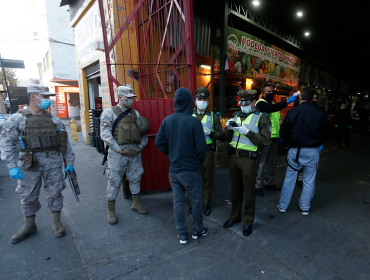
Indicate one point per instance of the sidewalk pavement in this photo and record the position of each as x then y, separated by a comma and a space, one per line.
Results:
331, 243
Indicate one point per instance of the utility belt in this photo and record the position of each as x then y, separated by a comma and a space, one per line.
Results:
211, 147
243, 153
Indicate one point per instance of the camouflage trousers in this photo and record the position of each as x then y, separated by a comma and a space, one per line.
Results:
118, 165
29, 189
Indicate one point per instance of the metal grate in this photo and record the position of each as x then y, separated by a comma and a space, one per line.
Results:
149, 44
202, 36
263, 23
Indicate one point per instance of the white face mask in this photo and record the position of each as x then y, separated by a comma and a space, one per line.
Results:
128, 102
247, 109
202, 105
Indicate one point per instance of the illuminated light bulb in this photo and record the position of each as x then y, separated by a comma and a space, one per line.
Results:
299, 14
307, 34
256, 3
205, 66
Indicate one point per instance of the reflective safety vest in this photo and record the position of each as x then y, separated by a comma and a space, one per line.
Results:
275, 122
207, 122
242, 142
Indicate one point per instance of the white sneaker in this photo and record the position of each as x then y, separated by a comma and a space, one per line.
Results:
183, 239
305, 213
281, 210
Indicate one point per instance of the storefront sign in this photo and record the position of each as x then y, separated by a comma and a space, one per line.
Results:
61, 104
252, 57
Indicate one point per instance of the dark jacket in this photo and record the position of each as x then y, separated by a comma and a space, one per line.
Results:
304, 126
268, 108
181, 136
344, 117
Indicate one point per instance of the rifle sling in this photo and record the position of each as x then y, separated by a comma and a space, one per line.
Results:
119, 118
116, 122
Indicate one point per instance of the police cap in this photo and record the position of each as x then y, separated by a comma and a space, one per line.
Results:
202, 93
247, 94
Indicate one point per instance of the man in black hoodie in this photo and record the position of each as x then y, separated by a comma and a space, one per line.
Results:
181, 137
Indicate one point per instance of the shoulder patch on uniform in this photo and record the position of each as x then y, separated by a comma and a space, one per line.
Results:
107, 118
105, 124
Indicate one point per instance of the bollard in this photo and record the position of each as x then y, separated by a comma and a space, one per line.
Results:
74, 130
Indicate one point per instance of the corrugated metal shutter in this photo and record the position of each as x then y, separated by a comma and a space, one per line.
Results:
202, 36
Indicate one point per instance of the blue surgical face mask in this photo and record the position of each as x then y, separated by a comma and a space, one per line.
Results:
247, 109
45, 103
202, 105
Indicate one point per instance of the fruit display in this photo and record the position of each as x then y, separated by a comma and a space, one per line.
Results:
257, 62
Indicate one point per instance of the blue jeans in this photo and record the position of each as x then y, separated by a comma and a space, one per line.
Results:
308, 162
191, 182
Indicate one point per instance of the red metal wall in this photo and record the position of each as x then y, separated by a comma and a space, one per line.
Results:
163, 60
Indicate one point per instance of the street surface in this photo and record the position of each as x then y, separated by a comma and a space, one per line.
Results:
333, 242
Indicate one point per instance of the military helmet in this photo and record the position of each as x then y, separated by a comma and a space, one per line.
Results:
246, 96
143, 124
202, 93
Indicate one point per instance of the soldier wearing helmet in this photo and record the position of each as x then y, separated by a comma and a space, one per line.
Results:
249, 132
43, 146
212, 131
124, 130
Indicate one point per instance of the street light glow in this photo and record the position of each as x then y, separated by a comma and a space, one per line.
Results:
299, 14
307, 34
256, 3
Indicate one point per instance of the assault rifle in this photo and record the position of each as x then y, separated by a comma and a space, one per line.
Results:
74, 185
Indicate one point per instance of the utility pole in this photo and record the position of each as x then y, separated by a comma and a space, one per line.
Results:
6, 83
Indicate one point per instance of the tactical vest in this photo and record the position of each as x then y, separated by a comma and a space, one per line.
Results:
275, 122
126, 132
41, 133
207, 122
251, 122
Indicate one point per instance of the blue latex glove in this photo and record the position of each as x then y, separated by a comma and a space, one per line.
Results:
350, 127
292, 99
321, 148
69, 168
336, 125
16, 173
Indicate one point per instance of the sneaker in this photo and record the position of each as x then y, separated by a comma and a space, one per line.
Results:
183, 239
305, 213
199, 234
281, 210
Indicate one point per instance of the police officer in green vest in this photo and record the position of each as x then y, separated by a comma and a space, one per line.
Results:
249, 132
212, 131
266, 105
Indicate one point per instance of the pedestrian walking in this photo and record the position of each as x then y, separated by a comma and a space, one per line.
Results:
125, 132
343, 126
303, 129
181, 137
249, 132
43, 143
268, 165
212, 131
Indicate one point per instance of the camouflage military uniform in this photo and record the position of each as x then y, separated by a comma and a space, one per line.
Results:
118, 165
48, 169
